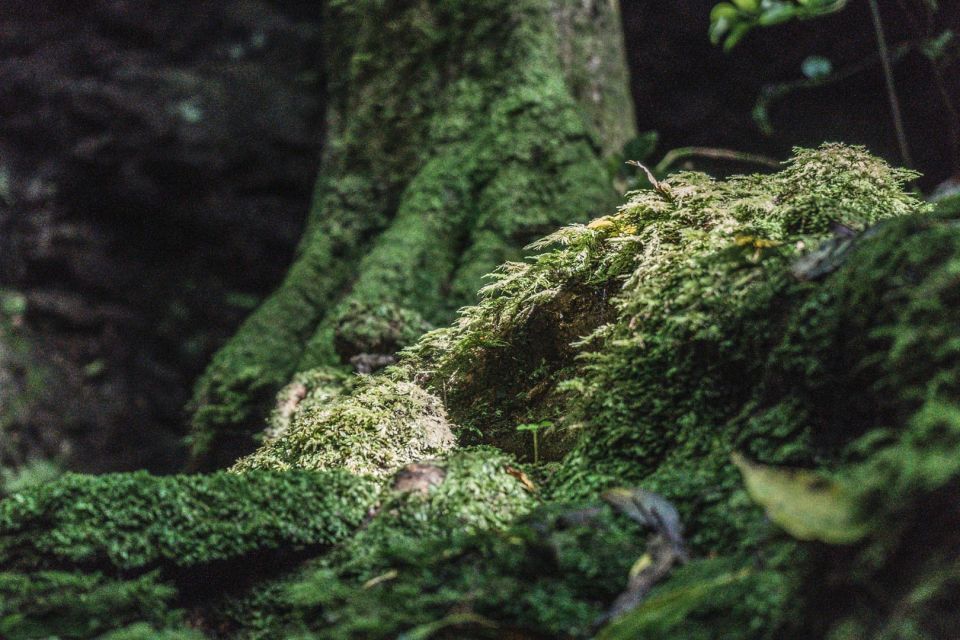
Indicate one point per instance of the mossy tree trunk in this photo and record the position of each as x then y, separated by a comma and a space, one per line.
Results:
457, 132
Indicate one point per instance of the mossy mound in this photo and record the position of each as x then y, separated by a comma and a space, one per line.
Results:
774, 355
383, 424
470, 490
87, 554
642, 288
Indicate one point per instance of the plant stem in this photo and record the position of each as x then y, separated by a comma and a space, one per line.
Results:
674, 155
536, 449
891, 87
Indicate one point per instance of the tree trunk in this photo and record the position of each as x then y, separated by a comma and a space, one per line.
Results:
457, 132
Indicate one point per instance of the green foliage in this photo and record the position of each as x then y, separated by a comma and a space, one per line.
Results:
730, 21
33, 472
141, 631
72, 605
535, 428
135, 520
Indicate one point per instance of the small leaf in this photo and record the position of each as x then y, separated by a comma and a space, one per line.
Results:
777, 14
719, 28
806, 504
936, 48
723, 10
736, 34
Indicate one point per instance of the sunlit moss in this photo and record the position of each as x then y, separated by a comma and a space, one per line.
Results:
135, 520
381, 425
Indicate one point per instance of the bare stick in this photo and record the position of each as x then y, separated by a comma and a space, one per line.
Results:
714, 154
891, 87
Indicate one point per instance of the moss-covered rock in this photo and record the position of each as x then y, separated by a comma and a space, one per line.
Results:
453, 139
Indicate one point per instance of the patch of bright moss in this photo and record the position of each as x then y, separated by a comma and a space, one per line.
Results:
135, 520
383, 424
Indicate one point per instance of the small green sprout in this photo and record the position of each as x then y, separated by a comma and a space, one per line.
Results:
535, 428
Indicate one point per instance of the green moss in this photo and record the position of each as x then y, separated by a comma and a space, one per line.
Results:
699, 263
383, 424
432, 503
876, 364
376, 329
70, 605
803, 319
134, 521
719, 598
453, 140
307, 389
493, 181
141, 631
478, 490
551, 574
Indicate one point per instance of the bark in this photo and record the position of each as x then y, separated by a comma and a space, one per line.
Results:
458, 132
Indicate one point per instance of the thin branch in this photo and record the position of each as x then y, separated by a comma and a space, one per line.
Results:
712, 153
891, 87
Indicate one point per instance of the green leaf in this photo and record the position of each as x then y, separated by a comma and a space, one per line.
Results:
777, 14
736, 34
936, 48
806, 504
747, 5
723, 10
718, 29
